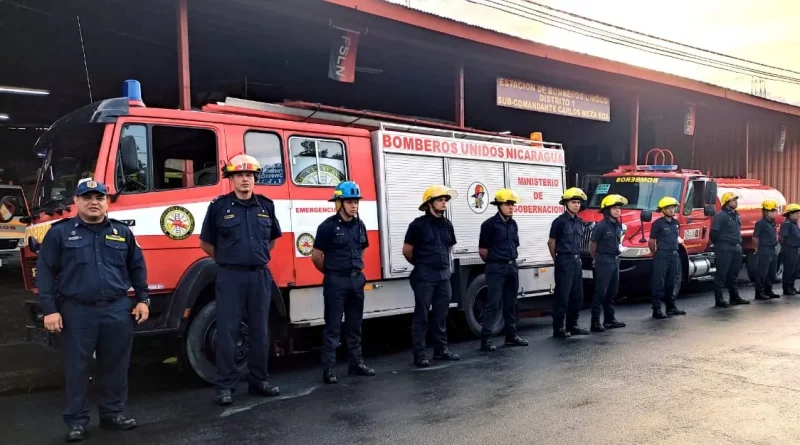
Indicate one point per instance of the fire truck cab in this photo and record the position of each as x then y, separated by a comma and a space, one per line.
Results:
162, 168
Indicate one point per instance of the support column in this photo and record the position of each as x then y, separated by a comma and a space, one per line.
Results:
634, 152
747, 150
459, 93
184, 76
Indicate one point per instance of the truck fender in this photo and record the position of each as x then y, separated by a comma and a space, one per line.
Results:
200, 275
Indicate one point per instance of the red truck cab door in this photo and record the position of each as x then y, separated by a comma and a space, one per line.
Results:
695, 225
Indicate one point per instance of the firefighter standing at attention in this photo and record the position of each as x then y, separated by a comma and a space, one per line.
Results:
566, 235
726, 234
239, 231
497, 245
604, 248
86, 266
765, 238
428, 243
664, 242
790, 247
338, 254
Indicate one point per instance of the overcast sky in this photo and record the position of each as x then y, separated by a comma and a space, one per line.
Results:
767, 32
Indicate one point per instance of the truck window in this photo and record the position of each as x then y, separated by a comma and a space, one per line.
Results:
699, 194
169, 158
317, 162
266, 147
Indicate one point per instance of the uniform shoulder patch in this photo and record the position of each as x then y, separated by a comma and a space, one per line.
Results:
218, 198
61, 221
264, 198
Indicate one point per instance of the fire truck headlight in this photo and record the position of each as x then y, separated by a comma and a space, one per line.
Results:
635, 252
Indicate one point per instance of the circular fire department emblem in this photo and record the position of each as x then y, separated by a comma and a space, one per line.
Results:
305, 244
177, 222
477, 196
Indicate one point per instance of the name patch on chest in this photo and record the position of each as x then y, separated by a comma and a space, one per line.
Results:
229, 216
115, 238
263, 215
74, 238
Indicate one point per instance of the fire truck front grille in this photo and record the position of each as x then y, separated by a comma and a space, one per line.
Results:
587, 236
8, 244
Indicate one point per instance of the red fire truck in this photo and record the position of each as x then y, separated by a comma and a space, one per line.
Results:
699, 195
162, 167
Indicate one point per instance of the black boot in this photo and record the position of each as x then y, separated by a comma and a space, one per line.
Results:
658, 314
446, 355
736, 300
596, 326
117, 423
577, 330
361, 369
516, 340
719, 301
329, 376
561, 333
421, 361
769, 293
263, 389
76, 433
487, 345
761, 295
672, 311
224, 397
789, 291
613, 324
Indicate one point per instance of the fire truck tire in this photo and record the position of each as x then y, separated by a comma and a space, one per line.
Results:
474, 299
751, 264
200, 344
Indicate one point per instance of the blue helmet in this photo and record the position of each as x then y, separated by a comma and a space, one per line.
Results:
346, 190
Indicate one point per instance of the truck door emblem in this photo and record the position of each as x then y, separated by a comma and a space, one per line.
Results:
476, 196
177, 223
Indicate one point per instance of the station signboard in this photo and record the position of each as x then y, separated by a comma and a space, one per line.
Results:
530, 96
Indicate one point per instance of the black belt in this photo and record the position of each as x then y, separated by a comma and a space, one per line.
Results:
608, 255
351, 273
573, 255
240, 268
503, 262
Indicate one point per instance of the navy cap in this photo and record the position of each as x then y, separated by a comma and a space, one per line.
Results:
91, 186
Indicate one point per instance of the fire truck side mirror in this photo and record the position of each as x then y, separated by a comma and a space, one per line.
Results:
128, 155
711, 193
33, 244
647, 216
709, 211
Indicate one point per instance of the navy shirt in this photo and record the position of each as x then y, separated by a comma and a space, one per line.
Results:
89, 263
343, 243
500, 236
567, 230
607, 234
767, 235
432, 239
665, 231
241, 231
790, 233
726, 229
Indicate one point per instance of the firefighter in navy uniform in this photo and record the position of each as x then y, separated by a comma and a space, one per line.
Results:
338, 254
790, 247
765, 237
427, 245
726, 234
664, 241
566, 235
604, 248
497, 245
239, 231
86, 266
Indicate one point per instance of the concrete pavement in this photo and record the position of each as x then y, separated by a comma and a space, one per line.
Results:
711, 377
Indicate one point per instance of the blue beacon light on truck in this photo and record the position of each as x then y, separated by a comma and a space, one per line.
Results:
132, 89
657, 168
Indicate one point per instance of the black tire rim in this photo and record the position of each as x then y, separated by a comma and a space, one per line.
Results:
242, 344
479, 304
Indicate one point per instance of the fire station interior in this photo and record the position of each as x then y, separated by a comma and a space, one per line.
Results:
276, 51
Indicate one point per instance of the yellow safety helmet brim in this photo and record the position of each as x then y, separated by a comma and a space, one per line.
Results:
728, 197
506, 196
791, 208
769, 205
571, 194
435, 192
667, 201
612, 201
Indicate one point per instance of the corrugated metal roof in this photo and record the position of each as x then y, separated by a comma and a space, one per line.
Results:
448, 25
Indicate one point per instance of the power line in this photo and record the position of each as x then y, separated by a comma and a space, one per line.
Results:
611, 25
613, 38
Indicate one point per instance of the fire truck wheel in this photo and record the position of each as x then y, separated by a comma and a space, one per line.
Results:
751, 264
473, 307
200, 344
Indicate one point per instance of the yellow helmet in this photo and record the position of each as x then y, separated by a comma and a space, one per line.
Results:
791, 208
667, 201
506, 195
613, 200
769, 205
434, 192
727, 197
572, 194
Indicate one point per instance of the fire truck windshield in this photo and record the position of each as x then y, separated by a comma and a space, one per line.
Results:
642, 192
70, 153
